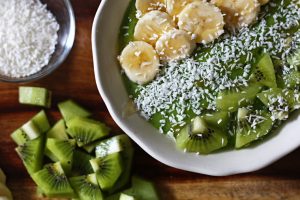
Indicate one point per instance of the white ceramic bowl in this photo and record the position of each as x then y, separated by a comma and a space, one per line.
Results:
107, 73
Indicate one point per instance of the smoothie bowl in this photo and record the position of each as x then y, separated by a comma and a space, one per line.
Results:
208, 87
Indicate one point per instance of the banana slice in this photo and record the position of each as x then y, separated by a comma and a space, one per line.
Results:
2, 177
175, 45
203, 20
238, 13
5, 192
174, 7
263, 2
152, 25
140, 62
145, 6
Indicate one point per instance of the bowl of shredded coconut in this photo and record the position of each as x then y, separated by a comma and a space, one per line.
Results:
36, 36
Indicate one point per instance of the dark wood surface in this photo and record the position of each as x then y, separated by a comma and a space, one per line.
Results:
75, 79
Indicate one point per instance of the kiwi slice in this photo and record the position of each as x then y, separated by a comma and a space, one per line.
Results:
217, 119
142, 189
19, 137
127, 157
108, 146
63, 150
41, 121
264, 72
202, 140
126, 197
58, 131
36, 96
231, 100
31, 153
86, 187
251, 126
81, 163
70, 109
53, 181
86, 130
108, 169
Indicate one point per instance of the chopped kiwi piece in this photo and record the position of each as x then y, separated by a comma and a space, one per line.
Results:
69, 109
217, 119
31, 153
19, 137
264, 72
86, 130
92, 146
198, 126
108, 169
81, 163
205, 142
41, 121
31, 129
127, 157
53, 181
63, 150
142, 189
252, 125
108, 146
126, 197
232, 100
58, 131
86, 187
36, 96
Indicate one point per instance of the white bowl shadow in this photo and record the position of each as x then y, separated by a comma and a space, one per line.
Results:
111, 87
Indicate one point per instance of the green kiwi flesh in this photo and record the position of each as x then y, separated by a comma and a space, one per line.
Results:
70, 109
81, 163
127, 157
85, 130
19, 137
58, 131
126, 197
35, 96
142, 189
32, 153
252, 126
63, 150
264, 72
53, 181
292, 80
108, 169
206, 142
231, 100
217, 119
86, 187
108, 146
41, 121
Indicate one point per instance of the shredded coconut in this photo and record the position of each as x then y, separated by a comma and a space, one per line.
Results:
28, 36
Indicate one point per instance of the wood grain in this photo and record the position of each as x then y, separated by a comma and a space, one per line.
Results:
75, 79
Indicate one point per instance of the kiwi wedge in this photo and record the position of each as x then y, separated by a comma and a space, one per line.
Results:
85, 130
200, 138
41, 121
32, 153
81, 163
108, 146
53, 182
217, 119
108, 169
251, 126
19, 137
70, 109
86, 187
232, 100
264, 72
62, 150
36, 96
142, 190
127, 157
58, 131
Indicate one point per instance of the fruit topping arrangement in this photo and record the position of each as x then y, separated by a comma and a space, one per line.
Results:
169, 30
77, 157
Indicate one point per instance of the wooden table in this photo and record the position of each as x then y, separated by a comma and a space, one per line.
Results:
75, 79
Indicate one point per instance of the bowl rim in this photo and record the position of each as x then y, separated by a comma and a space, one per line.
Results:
238, 170
69, 44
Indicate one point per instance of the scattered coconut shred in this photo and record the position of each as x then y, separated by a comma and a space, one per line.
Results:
28, 36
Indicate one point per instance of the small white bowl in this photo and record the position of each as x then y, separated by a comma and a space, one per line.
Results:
111, 87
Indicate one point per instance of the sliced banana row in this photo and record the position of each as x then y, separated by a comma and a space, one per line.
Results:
5, 193
172, 35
